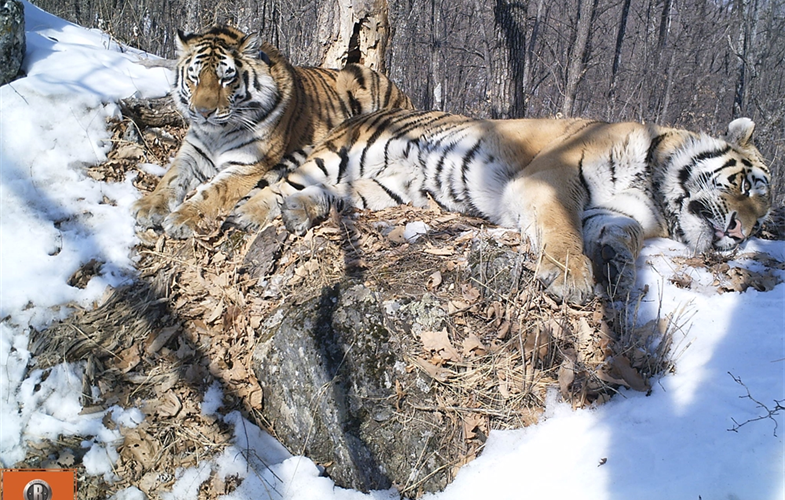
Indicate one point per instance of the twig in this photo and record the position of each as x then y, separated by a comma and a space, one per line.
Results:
770, 412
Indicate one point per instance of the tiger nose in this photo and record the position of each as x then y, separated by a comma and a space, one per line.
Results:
205, 112
735, 229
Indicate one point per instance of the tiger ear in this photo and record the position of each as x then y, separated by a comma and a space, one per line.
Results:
181, 40
740, 132
249, 44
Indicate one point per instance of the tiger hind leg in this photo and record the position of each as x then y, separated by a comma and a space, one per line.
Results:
307, 208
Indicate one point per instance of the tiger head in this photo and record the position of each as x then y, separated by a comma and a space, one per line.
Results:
221, 79
717, 189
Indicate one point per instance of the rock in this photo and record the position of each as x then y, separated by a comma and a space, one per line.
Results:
334, 373
12, 39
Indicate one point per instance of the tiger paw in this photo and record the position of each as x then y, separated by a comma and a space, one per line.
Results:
301, 211
574, 287
179, 224
614, 264
150, 211
254, 211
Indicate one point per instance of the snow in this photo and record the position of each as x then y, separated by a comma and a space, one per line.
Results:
677, 442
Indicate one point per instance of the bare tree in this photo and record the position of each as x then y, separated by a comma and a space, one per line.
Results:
578, 53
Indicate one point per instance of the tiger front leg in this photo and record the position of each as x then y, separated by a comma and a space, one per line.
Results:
151, 210
210, 201
255, 210
551, 219
613, 243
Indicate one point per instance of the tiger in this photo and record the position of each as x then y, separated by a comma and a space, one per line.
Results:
247, 107
585, 193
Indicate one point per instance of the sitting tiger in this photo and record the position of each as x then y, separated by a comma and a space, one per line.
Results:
248, 108
586, 193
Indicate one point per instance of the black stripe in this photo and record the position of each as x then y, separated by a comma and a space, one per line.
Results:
467, 160
362, 198
388, 93
357, 74
320, 163
390, 193
203, 154
710, 154
685, 173
298, 187
384, 122
246, 143
239, 163
343, 153
582, 177
420, 119
440, 163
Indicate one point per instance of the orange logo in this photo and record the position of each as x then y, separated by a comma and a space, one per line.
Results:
38, 484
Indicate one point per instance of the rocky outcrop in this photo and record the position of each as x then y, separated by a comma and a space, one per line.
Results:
12, 39
334, 372
392, 372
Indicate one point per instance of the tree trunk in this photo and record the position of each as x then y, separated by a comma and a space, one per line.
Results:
510, 18
578, 54
625, 12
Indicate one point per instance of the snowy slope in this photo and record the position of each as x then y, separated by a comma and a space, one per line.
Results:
674, 443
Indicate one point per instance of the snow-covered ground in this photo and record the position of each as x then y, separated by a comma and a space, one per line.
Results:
674, 443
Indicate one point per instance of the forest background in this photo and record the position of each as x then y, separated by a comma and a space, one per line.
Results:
696, 64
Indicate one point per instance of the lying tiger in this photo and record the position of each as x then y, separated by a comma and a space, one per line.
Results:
586, 193
248, 108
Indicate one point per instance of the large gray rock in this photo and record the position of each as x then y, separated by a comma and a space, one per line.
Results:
387, 364
333, 373
12, 39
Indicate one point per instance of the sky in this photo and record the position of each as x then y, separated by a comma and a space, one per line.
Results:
676, 442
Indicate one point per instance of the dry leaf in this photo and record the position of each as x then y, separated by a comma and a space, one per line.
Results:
435, 372
739, 280
537, 341
439, 343
567, 372
472, 345
139, 445
681, 280
504, 385
555, 329
238, 373
216, 312
457, 305
471, 422
443, 251
155, 341
128, 359
255, 397
168, 405
470, 293
128, 151
396, 235
584, 332
631, 377
434, 280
